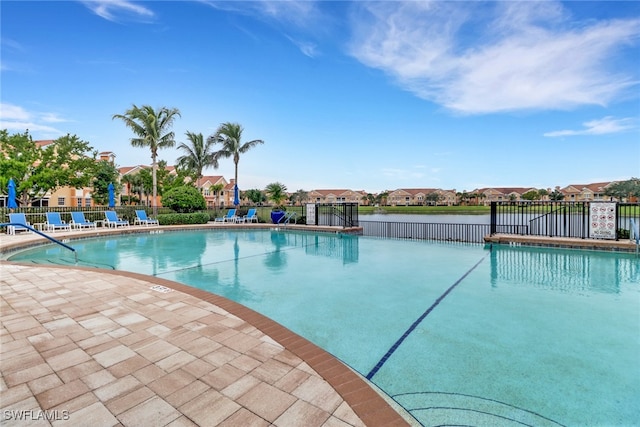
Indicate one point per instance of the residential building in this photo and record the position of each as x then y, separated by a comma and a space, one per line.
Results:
501, 194
421, 197
336, 196
586, 192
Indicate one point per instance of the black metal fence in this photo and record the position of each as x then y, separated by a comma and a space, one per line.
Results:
468, 233
337, 214
36, 214
561, 219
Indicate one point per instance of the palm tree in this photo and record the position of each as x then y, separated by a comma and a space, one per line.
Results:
134, 185
276, 192
230, 136
151, 128
198, 155
216, 188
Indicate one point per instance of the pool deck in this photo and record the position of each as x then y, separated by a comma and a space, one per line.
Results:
623, 245
82, 346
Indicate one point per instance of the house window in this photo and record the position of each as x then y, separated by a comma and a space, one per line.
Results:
206, 192
60, 201
79, 202
87, 202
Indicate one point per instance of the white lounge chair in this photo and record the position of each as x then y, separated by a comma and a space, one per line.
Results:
55, 222
78, 221
112, 220
18, 220
143, 219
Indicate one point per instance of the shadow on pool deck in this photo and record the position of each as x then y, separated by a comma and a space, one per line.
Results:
94, 347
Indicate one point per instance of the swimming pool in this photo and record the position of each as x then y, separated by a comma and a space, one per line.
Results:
453, 332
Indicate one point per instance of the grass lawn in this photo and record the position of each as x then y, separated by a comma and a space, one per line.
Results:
426, 210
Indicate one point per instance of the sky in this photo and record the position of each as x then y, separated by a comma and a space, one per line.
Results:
369, 96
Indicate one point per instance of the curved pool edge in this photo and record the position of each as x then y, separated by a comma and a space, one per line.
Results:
363, 397
13, 243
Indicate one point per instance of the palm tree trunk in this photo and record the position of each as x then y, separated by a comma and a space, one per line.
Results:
155, 186
235, 160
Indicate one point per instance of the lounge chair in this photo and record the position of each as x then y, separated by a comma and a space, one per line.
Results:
78, 221
112, 220
250, 216
54, 222
229, 217
143, 219
17, 219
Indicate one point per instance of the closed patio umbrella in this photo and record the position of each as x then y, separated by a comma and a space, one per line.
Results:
236, 195
11, 199
112, 195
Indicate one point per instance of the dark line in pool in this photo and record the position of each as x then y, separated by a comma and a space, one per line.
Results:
395, 346
474, 397
471, 410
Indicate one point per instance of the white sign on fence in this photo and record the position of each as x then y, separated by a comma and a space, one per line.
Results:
311, 214
602, 216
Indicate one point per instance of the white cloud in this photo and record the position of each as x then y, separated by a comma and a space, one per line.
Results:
307, 48
118, 10
602, 126
16, 118
476, 58
13, 112
291, 17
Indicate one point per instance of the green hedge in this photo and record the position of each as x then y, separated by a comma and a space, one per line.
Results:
183, 218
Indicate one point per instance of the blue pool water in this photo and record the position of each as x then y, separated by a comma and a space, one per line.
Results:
456, 334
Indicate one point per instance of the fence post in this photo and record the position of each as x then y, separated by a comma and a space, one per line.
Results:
494, 217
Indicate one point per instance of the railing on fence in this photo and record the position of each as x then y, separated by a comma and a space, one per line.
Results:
558, 218
469, 233
337, 214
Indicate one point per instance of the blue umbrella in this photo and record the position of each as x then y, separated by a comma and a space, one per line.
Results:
112, 195
11, 200
236, 195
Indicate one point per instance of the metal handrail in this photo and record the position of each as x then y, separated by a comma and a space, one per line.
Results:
14, 224
287, 218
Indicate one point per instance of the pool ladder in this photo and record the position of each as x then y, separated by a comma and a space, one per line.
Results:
287, 218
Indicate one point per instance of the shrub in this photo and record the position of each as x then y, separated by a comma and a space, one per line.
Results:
183, 218
184, 199
623, 233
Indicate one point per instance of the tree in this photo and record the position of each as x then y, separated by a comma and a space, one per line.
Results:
151, 128
369, 198
381, 199
198, 155
531, 195
104, 174
433, 198
556, 195
134, 185
216, 188
276, 192
68, 161
542, 192
624, 189
184, 199
230, 136
255, 196
146, 182
299, 197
